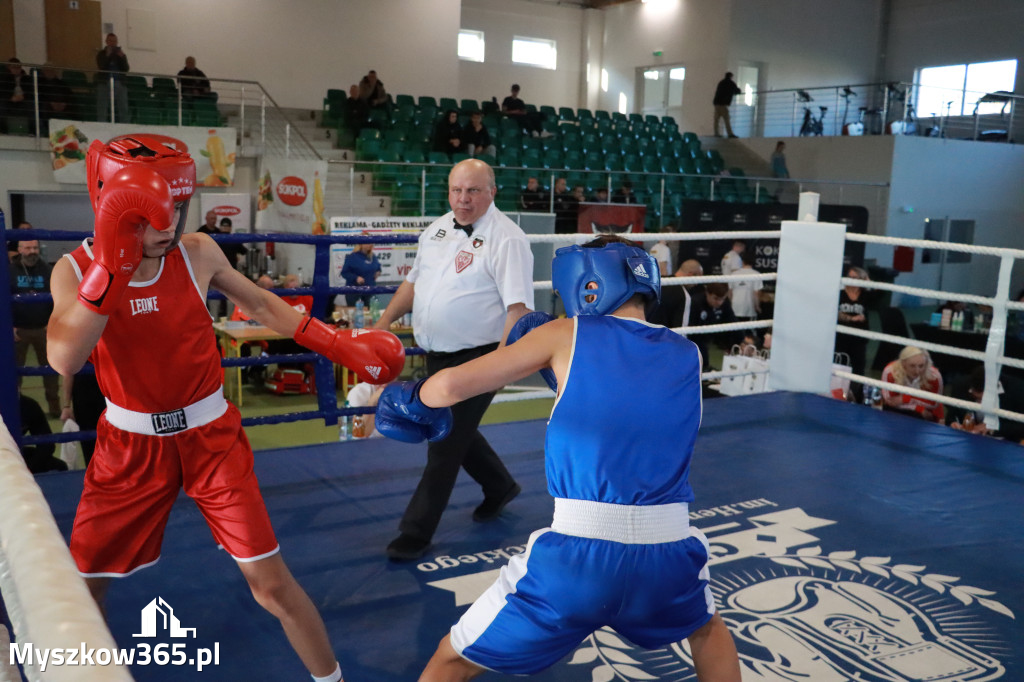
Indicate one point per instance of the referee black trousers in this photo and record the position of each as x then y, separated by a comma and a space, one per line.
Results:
464, 447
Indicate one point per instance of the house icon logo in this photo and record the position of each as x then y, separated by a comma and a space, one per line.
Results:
158, 615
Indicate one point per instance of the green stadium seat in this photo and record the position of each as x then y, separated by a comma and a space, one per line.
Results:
427, 101
602, 115
447, 103
509, 156
405, 100
566, 114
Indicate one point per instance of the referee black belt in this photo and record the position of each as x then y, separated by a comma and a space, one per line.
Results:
475, 350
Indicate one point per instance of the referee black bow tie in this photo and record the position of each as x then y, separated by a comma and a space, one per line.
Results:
468, 229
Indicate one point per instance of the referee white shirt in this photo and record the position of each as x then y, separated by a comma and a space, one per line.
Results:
465, 284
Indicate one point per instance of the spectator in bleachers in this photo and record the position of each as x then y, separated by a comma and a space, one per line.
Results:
193, 82
600, 195
624, 194
566, 208
370, 94
746, 296
16, 93
448, 134
476, 136
724, 92
533, 197
578, 194
515, 108
913, 368
54, 95
112, 63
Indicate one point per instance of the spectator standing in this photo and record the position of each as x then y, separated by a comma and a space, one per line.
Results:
54, 95
360, 269
733, 258
724, 92
746, 296
712, 306
476, 136
779, 169
673, 309
533, 198
12, 246
112, 63
16, 94
471, 281
235, 253
210, 224
193, 82
448, 134
914, 369
30, 274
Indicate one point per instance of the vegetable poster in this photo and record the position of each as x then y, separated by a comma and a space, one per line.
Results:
213, 149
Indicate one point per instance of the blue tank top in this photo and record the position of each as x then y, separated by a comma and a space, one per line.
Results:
623, 430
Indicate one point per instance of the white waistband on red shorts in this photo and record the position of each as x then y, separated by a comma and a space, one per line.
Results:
628, 524
168, 423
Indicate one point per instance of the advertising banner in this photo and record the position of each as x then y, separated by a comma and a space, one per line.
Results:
601, 218
236, 207
395, 259
290, 196
213, 149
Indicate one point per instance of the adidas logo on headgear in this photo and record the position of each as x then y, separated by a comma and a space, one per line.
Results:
373, 371
641, 271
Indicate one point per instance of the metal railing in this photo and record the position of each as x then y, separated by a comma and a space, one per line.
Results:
881, 109
156, 99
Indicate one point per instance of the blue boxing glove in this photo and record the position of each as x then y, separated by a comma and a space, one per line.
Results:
401, 415
525, 325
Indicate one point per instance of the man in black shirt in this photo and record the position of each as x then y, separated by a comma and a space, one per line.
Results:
533, 198
192, 81
30, 274
712, 306
515, 108
724, 93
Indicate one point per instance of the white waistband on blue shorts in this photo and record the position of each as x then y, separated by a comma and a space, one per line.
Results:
628, 524
168, 423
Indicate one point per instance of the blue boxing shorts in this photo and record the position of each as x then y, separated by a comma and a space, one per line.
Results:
646, 578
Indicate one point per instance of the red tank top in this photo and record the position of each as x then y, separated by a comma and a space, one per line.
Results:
158, 351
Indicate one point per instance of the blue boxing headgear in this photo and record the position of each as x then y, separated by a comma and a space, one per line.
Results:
620, 270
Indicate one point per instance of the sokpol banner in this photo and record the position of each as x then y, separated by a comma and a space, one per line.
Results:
290, 196
213, 149
395, 259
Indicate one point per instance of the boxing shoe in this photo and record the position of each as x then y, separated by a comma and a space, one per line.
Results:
407, 548
491, 507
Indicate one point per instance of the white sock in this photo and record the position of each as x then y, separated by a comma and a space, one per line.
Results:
333, 677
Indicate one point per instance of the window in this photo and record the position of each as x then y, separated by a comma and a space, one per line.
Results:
535, 52
954, 90
471, 45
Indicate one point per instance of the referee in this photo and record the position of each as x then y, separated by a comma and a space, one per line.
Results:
471, 280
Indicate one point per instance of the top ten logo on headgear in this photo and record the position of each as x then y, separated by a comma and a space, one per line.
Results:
291, 190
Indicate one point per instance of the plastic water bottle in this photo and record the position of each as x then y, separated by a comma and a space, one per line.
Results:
374, 310
345, 427
301, 281
360, 315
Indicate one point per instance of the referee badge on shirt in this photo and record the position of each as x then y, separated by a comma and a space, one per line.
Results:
477, 242
462, 260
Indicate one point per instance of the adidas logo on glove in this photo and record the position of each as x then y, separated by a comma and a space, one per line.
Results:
373, 371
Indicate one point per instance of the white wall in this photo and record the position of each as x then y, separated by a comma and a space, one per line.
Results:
500, 21
960, 180
939, 32
694, 33
806, 44
296, 49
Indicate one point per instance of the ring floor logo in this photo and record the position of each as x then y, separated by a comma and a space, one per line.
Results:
157, 621
798, 613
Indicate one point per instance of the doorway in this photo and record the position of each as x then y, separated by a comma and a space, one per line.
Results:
744, 111
661, 90
74, 33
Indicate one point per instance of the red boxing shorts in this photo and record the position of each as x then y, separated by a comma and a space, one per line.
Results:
142, 461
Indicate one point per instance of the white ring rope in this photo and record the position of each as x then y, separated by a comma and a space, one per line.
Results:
927, 244
580, 237
927, 395
922, 293
980, 356
49, 605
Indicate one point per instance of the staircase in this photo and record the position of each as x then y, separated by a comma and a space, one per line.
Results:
736, 154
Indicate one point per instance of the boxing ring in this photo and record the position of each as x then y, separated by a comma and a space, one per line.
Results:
848, 543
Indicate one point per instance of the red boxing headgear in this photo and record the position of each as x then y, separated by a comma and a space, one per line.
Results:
167, 156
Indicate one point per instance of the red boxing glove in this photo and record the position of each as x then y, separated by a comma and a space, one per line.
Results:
374, 355
133, 197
